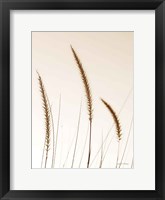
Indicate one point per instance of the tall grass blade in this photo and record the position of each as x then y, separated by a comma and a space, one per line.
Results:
126, 143
117, 124
78, 126
69, 149
115, 118
46, 110
108, 147
88, 97
57, 132
101, 159
84, 148
61, 148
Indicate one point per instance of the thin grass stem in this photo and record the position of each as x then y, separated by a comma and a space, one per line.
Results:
57, 132
84, 147
126, 143
43, 151
69, 149
118, 152
78, 126
101, 159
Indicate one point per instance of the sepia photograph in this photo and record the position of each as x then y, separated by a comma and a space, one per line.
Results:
82, 100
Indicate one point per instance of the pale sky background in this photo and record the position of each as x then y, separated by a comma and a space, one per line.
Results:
107, 58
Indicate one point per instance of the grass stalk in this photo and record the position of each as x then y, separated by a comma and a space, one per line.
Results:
61, 148
126, 143
108, 147
118, 151
117, 124
57, 132
46, 110
83, 148
78, 126
43, 152
88, 97
52, 121
69, 149
101, 159
90, 135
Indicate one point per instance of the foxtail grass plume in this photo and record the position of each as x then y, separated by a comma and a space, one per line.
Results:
88, 97
115, 118
46, 110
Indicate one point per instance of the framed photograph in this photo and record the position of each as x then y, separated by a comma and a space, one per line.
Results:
82, 99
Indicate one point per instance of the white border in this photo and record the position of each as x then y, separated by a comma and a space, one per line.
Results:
142, 177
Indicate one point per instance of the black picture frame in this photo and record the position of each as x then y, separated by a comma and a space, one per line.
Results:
5, 7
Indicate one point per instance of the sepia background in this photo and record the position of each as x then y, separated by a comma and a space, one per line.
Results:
107, 58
